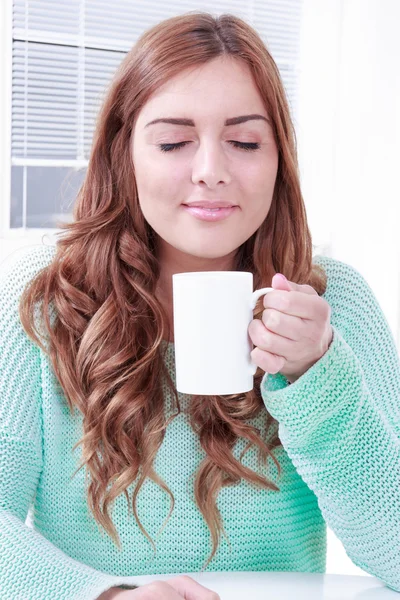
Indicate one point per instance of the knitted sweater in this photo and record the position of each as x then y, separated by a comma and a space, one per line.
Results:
339, 424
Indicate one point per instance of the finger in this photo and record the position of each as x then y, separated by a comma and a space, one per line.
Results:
297, 304
156, 590
270, 341
190, 589
295, 329
284, 284
292, 328
270, 363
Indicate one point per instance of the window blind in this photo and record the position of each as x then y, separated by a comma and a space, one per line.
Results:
65, 53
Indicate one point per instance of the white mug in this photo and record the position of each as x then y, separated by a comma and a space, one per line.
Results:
212, 311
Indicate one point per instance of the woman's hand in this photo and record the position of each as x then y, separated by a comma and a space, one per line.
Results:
294, 332
175, 588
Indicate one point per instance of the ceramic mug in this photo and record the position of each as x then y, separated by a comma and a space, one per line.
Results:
212, 311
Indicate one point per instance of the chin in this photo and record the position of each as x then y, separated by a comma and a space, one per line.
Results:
210, 254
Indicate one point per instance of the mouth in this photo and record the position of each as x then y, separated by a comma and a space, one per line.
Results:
211, 204
207, 208
211, 214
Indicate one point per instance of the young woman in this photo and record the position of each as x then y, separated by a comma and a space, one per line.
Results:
123, 476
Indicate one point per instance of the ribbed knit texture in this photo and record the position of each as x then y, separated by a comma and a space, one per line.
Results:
339, 424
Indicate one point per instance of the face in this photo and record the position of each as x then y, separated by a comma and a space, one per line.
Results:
205, 154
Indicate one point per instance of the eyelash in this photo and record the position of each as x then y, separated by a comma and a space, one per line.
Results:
248, 146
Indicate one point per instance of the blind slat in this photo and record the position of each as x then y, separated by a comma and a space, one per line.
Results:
65, 54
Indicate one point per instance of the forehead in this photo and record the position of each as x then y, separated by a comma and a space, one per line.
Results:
222, 86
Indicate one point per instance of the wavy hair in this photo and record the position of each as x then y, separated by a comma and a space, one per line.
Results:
105, 271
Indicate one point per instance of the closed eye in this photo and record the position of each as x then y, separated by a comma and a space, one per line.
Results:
171, 147
242, 145
245, 145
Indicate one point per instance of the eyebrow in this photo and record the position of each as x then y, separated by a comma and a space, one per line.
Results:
190, 122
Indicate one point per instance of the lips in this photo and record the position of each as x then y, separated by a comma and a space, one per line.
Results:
217, 204
204, 213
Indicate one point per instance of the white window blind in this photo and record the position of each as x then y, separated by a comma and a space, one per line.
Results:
64, 55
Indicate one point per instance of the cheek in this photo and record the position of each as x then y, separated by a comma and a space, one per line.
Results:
258, 180
257, 184
156, 182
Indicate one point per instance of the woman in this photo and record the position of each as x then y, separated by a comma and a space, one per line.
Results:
127, 477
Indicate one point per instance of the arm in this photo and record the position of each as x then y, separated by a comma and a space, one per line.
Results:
31, 567
340, 425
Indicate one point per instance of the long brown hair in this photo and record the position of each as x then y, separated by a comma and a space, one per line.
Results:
105, 272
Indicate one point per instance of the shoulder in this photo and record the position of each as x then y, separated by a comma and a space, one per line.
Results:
342, 278
20, 357
15, 273
349, 295
21, 266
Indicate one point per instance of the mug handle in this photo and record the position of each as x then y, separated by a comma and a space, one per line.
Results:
254, 297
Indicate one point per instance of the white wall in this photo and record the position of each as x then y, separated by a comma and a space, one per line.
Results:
318, 112
349, 138
349, 150
368, 151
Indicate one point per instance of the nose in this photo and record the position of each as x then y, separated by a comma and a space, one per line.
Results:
210, 165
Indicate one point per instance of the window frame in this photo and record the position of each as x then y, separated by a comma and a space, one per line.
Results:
5, 113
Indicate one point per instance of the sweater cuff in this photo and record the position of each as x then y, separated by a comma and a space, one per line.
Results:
332, 382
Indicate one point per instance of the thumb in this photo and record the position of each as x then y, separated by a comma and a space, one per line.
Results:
190, 589
279, 282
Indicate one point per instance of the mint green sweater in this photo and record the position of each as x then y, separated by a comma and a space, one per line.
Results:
339, 425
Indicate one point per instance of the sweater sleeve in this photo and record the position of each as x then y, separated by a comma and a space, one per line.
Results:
340, 425
31, 568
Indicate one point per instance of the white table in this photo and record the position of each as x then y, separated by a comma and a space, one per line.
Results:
287, 586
